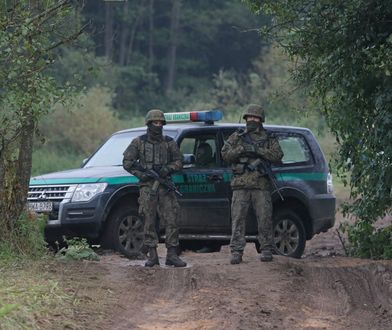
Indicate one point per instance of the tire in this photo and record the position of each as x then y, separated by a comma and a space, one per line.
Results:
289, 234
125, 232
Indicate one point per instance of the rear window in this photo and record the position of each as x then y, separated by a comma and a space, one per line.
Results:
295, 150
294, 146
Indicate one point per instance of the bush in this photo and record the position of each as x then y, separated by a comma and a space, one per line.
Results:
26, 240
368, 242
81, 127
52, 160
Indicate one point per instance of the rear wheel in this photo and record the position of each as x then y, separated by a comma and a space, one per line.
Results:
125, 232
289, 234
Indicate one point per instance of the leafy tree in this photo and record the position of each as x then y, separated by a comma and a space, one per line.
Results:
29, 32
164, 51
343, 54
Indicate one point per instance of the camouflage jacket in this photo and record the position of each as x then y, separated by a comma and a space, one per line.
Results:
150, 154
265, 145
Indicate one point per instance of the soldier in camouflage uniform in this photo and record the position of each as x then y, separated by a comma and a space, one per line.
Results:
160, 153
251, 187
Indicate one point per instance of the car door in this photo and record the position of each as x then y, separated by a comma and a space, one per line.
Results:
205, 203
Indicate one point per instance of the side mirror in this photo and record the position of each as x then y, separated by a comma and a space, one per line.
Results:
84, 161
188, 160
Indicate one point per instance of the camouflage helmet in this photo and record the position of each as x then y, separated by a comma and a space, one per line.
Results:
155, 114
254, 110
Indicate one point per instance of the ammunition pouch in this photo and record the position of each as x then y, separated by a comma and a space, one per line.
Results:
238, 168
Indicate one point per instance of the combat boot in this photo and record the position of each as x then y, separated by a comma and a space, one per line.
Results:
172, 258
266, 255
152, 257
236, 258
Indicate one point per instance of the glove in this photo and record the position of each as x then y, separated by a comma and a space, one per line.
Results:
164, 171
261, 152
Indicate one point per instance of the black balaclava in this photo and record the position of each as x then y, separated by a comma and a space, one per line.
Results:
252, 126
154, 132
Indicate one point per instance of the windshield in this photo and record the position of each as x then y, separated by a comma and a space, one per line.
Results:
111, 152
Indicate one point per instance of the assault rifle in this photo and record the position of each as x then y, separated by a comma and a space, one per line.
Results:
262, 166
169, 185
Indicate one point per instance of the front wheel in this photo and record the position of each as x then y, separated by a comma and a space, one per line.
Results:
289, 234
125, 232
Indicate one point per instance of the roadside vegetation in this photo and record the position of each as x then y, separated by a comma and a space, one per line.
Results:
343, 59
67, 84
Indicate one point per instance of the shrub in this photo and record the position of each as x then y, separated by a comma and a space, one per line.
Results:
26, 240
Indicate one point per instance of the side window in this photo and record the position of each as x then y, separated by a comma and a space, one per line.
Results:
203, 147
295, 149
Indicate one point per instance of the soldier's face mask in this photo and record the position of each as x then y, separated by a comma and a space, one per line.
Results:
154, 131
252, 125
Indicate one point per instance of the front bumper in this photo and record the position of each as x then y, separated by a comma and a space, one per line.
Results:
80, 219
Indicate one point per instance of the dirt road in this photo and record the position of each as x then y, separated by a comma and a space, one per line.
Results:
310, 293
323, 290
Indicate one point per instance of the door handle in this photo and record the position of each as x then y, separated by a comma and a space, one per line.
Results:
215, 177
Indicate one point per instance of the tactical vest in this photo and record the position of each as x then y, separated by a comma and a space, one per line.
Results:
154, 154
239, 167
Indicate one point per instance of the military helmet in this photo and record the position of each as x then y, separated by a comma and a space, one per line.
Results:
155, 114
254, 110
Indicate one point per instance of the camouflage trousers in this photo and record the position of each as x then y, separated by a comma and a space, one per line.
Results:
261, 202
163, 204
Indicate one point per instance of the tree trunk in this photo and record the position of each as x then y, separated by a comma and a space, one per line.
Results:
108, 30
133, 34
15, 176
124, 35
171, 57
151, 38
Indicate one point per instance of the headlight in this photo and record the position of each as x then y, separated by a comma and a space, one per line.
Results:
84, 192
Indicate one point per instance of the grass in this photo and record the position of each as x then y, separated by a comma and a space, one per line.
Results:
31, 297
49, 294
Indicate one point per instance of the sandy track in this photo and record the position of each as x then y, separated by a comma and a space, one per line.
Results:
310, 293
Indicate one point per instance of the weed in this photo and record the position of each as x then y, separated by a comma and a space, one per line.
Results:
77, 249
368, 242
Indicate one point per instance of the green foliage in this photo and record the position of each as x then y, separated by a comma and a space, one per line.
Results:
368, 242
135, 63
85, 123
342, 51
26, 240
80, 133
4, 310
47, 160
77, 249
30, 31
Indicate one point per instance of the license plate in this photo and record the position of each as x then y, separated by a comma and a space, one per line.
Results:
41, 206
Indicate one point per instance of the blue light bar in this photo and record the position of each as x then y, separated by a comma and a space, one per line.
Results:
206, 116
194, 116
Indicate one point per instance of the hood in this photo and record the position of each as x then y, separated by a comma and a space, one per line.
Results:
110, 174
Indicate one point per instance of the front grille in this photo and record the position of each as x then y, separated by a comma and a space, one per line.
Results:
55, 193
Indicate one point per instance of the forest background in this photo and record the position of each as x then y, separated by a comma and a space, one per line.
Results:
173, 55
